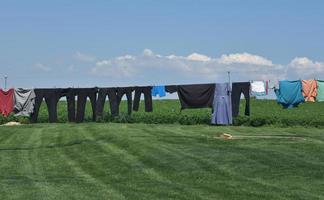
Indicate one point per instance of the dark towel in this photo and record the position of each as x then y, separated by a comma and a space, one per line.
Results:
196, 96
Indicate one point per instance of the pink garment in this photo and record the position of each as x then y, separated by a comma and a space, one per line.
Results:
310, 90
6, 102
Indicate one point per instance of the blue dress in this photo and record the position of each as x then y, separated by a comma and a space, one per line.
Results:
222, 105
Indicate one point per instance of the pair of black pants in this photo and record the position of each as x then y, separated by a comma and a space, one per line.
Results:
112, 96
69, 93
120, 93
237, 89
51, 96
147, 91
82, 94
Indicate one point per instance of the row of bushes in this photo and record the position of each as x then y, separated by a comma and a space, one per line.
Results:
184, 119
263, 113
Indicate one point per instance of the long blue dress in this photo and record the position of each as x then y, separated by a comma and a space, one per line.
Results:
222, 105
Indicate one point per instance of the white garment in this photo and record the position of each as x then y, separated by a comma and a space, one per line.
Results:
258, 87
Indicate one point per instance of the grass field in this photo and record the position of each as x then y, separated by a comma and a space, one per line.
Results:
149, 161
263, 112
154, 156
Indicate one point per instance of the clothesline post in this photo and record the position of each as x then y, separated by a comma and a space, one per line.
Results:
5, 82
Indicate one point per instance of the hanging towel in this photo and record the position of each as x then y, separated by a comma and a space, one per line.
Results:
158, 90
222, 105
24, 101
258, 88
289, 93
196, 96
309, 90
6, 102
320, 91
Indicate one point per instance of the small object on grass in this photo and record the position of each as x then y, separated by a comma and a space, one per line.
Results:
226, 136
12, 124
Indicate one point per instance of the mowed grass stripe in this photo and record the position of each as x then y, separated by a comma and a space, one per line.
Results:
72, 156
138, 161
19, 169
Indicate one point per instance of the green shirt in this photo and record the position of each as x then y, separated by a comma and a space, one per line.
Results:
320, 91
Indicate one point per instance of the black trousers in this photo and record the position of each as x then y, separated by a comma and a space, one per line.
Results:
112, 96
120, 93
237, 89
147, 91
70, 94
51, 96
82, 94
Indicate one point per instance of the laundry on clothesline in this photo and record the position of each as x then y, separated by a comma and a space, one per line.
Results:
223, 98
259, 88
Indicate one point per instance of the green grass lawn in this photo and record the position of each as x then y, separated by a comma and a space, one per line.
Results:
147, 161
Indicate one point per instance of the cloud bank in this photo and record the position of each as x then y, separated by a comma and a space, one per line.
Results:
153, 68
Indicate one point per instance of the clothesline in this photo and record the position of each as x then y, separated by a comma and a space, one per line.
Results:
27, 102
190, 96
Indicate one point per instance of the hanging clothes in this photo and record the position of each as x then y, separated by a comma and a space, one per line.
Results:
6, 102
82, 95
222, 105
51, 97
121, 91
309, 90
171, 88
237, 89
24, 101
158, 90
289, 94
320, 91
196, 96
258, 88
70, 94
112, 97
147, 91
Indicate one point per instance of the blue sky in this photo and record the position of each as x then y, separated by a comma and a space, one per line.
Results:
108, 43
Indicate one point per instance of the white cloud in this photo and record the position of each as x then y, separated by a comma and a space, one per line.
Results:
198, 57
152, 68
126, 57
84, 57
244, 58
302, 67
42, 67
148, 52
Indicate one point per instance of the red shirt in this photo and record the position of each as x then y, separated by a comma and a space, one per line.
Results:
6, 102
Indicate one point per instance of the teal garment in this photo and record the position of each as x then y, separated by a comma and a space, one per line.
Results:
320, 91
289, 94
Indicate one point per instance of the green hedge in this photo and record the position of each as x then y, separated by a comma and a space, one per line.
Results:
263, 113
